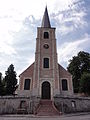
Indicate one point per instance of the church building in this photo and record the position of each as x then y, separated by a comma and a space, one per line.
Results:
45, 87
45, 77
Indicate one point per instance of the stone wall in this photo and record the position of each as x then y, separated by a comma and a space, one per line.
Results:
16, 104
72, 104
28, 105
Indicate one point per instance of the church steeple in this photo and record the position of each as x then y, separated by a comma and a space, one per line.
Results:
45, 21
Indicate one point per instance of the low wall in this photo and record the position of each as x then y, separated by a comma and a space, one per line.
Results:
17, 104
72, 104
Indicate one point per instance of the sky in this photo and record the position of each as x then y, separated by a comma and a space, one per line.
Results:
19, 20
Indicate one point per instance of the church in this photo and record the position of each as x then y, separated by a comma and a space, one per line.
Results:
45, 87
45, 77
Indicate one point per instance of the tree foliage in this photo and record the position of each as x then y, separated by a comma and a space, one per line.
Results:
2, 88
10, 80
85, 83
78, 65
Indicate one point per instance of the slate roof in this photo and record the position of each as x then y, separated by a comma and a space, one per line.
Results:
46, 21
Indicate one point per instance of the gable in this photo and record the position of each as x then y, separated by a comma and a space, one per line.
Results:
63, 72
28, 71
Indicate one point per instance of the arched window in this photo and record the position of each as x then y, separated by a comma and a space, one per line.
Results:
46, 35
64, 85
46, 63
27, 84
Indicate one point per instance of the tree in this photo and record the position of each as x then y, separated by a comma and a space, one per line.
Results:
85, 83
10, 80
2, 89
78, 65
0, 78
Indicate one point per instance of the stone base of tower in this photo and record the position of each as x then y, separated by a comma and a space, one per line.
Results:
35, 92
56, 92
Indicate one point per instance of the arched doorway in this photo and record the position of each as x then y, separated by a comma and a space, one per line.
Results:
46, 90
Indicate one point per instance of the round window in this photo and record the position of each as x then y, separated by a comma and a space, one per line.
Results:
46, 46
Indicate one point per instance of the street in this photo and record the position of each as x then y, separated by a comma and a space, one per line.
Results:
29, 117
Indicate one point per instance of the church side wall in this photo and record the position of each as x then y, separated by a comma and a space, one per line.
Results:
63, 74
72, 104
27, 74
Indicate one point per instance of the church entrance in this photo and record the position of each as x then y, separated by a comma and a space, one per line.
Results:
46, 90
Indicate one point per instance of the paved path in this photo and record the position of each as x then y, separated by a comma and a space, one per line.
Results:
31, 117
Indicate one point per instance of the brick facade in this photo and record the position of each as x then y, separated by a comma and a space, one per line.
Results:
38, 74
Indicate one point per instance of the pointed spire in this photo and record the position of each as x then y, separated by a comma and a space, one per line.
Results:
45, 21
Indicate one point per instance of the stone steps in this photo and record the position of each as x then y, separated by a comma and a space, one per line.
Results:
47, 108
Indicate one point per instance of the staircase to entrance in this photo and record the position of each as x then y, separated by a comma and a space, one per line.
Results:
47, 108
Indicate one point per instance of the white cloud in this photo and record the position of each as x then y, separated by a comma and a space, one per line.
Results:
6, 44
63, 30
69, 49
71, 18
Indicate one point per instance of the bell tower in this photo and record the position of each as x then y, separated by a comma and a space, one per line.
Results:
46, 74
